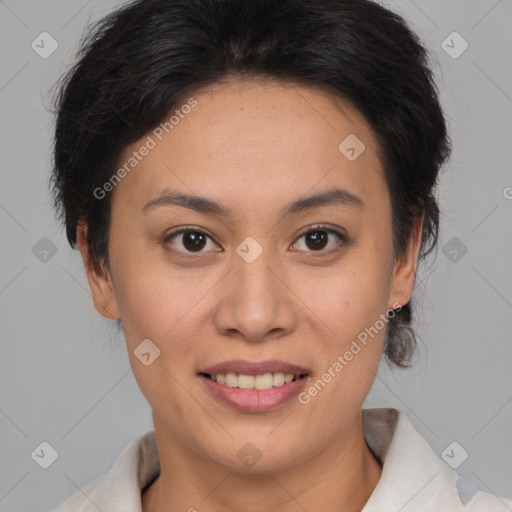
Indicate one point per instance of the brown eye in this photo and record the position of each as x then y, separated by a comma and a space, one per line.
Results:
318, 238
188, 240
193, 240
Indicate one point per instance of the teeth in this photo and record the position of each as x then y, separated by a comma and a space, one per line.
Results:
277, 379
265, 381
231, 380
245, 381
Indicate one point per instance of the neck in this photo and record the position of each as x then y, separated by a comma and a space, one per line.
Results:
340, 477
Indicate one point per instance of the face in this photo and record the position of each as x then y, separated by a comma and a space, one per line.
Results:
290, 259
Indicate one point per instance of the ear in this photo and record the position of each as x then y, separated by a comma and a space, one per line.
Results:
404, 271
100, 282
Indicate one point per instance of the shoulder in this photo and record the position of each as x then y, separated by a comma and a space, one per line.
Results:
120, 488
414, 478
84, 498
487, 502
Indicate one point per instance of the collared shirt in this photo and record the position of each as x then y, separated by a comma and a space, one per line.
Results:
414, 478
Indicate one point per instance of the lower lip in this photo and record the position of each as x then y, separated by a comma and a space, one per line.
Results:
255, 400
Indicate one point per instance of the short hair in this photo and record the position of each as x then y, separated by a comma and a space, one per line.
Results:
136, 64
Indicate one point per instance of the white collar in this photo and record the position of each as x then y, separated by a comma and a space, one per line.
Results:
413, 477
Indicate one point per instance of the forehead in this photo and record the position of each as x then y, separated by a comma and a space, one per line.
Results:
255, 138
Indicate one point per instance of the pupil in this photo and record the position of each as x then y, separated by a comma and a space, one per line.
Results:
193, 240
319, 239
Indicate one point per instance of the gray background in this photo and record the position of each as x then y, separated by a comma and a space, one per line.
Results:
64, 374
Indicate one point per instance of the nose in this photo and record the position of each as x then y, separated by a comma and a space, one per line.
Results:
257, 302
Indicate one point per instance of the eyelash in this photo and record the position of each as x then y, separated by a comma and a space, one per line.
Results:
319, 227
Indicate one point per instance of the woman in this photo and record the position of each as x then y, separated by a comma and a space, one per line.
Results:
251, 185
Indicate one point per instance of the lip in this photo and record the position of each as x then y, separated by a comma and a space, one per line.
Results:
254, 400
254, 368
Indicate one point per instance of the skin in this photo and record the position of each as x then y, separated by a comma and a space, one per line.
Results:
255, 146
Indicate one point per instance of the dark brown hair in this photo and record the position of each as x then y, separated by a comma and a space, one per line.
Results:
137, 63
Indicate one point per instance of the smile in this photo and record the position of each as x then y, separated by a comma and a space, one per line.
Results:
261, 382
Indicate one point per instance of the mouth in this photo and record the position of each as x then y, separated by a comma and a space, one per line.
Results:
254, 387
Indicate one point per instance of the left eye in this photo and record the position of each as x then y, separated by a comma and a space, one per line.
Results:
317, 239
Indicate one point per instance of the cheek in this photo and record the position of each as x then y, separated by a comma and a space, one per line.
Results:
146, 297
353, 307
351, 296
163, 303
156, 305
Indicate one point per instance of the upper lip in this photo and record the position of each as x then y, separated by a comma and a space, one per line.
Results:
241, 366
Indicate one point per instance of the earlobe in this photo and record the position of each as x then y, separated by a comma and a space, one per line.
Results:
100, 282
404, 271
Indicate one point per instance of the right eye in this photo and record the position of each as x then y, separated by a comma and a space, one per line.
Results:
188, 240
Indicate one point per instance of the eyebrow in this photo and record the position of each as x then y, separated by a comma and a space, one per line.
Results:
335, 196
